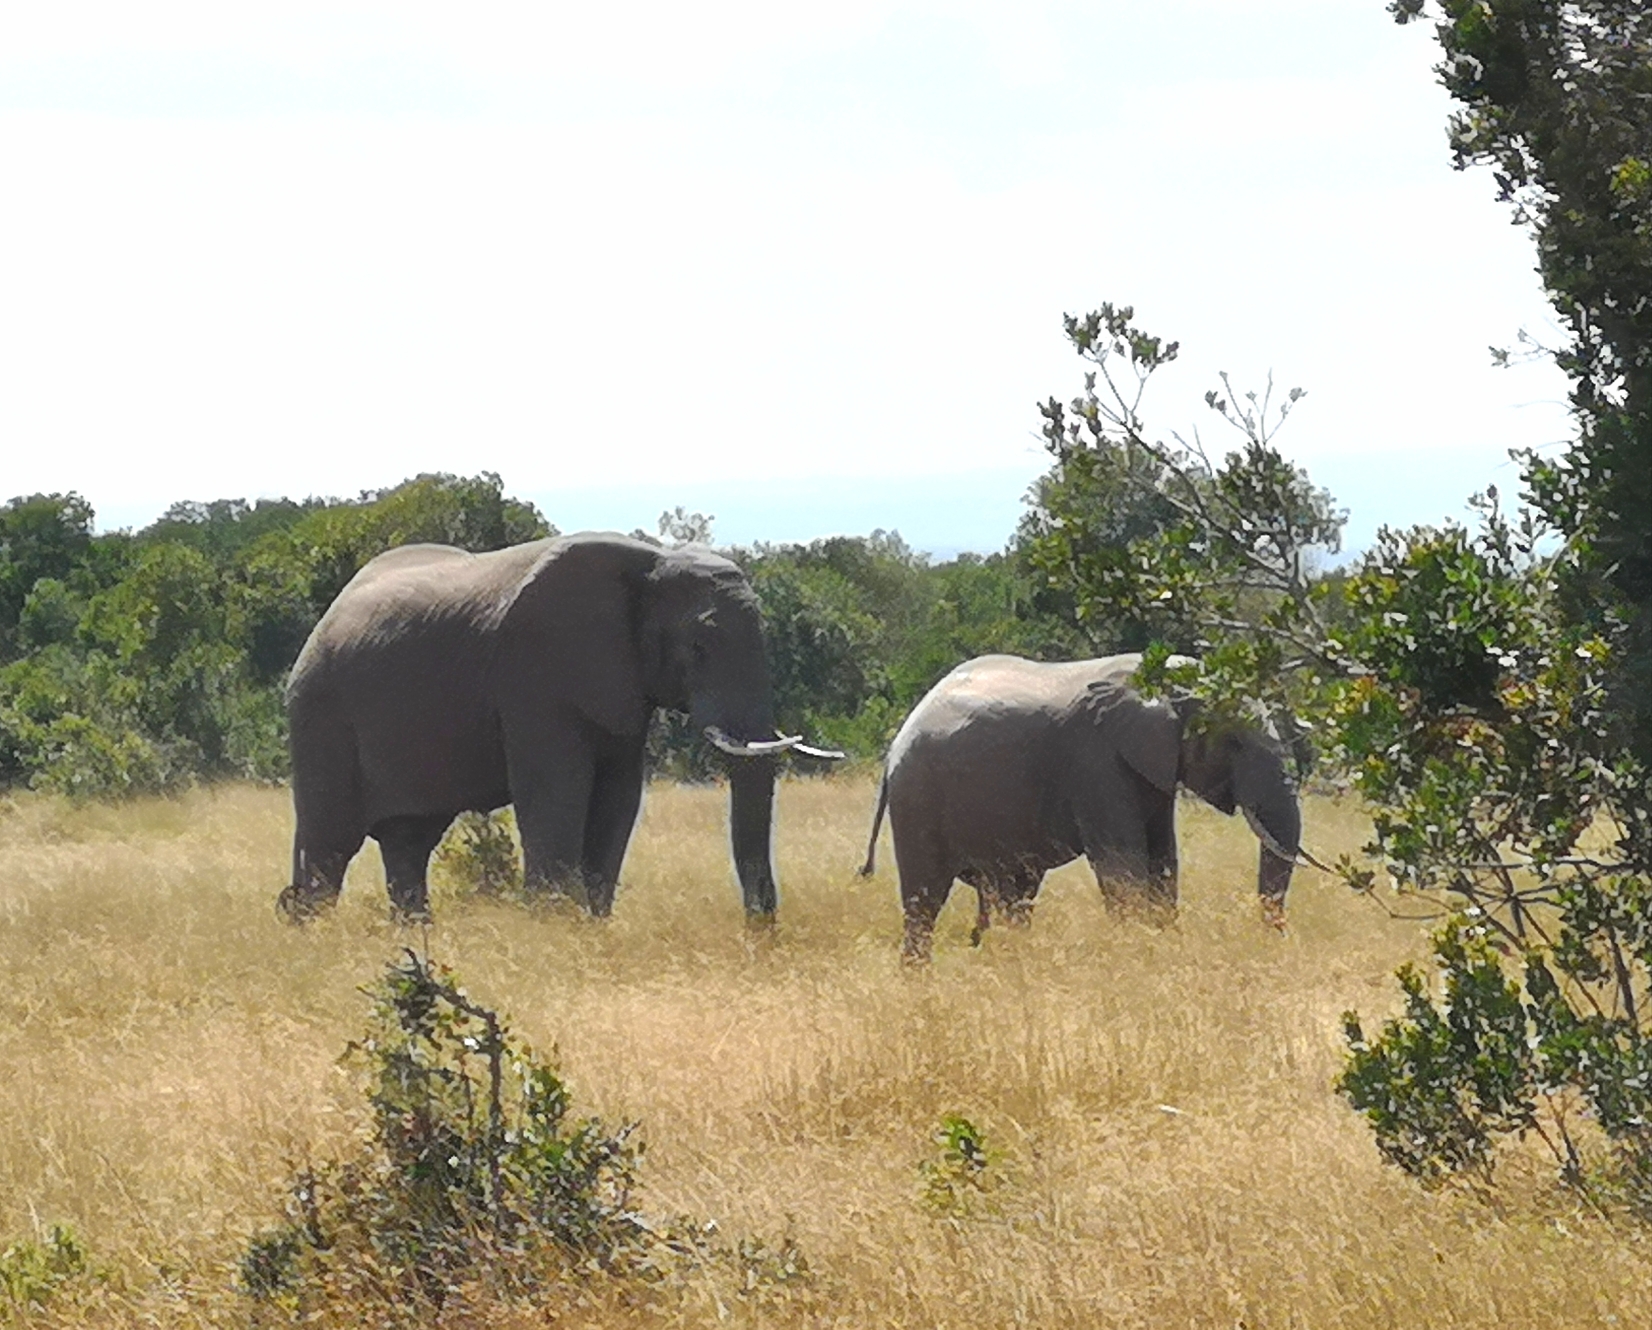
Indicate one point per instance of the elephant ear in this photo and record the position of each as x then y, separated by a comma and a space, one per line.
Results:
569, 631
1145, 735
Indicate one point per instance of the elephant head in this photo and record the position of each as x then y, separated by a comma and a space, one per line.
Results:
702, 640
1232, 767
1243, 767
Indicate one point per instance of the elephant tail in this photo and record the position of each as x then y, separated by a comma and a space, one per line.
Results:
866, 869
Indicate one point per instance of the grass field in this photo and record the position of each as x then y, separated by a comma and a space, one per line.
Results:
1168, 1146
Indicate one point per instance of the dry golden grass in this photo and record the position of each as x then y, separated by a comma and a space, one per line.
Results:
1172, 1153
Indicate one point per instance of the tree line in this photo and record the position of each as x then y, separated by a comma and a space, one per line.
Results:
145, 660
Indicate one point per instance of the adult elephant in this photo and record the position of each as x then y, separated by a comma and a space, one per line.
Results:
441, 681
1008, 768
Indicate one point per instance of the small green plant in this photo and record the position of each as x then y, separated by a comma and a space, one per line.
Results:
961, 1171
473, 1167
474, 1175
32, 1273
479, 855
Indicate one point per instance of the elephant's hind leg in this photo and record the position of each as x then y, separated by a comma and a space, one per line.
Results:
327, 812
318, 877
1006, 894
1019, 894
926, 882
405, 843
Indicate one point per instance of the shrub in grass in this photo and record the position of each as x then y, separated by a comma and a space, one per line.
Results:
959, 1173
478, 856
32, 1273
474, 1181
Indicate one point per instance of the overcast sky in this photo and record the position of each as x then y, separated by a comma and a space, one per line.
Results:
801, 267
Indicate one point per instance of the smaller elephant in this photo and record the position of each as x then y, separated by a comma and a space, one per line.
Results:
1008, 768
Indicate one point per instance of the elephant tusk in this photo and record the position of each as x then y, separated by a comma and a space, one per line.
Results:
1301, 857
1268, 842
1313, 862
824, 754
762, 748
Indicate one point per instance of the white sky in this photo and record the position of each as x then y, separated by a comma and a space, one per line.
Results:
802, 267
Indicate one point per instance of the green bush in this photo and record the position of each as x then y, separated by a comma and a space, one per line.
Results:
479, 854
473, 1168
475, 1175
960, 1172
32, 1273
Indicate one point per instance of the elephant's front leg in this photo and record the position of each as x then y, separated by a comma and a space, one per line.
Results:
615, 797
1116, 842
926, 882
1161, 847
552, 776
406, 843
1020, 894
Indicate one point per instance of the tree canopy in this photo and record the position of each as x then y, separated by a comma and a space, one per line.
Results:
139, 661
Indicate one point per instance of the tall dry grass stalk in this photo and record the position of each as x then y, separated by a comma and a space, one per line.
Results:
1169, 1147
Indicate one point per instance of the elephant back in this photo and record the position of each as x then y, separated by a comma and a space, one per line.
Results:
400, 603
570, 628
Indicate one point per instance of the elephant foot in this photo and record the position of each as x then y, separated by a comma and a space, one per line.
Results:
1157, 916
1018, 914
916, 945
299, 905
409, 902
1273, 911
554, 901
761, 936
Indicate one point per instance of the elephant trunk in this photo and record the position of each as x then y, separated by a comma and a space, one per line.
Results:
737, 720
1265, 792
751, 820
1278, 826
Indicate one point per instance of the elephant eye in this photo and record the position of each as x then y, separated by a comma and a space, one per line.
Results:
699, 651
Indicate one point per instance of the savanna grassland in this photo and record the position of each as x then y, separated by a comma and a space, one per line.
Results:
1166, 1147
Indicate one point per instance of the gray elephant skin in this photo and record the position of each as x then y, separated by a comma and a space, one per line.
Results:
440, 681
1008, 768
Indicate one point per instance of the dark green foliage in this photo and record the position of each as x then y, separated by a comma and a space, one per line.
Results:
1507, 734
1478, 726
479, 854
41, 536
1557, 99
326, 547
1147, 543
1471, 716
142, 662
1557, 1055
859, 628
223, 528
1440, 1084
